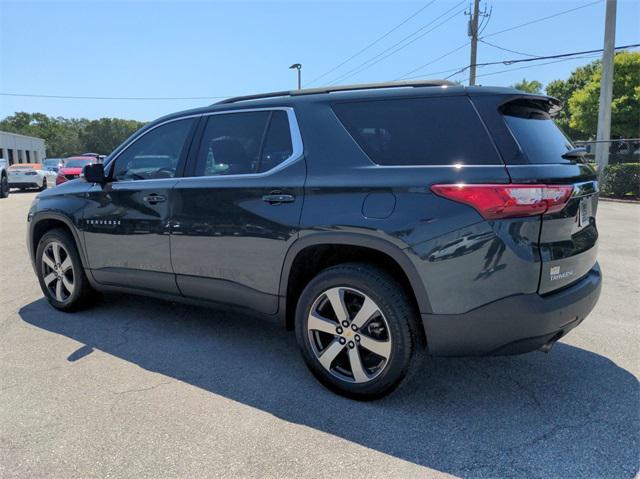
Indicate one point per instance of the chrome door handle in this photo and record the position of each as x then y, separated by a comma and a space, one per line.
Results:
277, 198
155, 199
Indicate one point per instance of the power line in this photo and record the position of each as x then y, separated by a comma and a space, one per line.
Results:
508, 50
460, 70
547, 57
484, 24
564, 56
431, 74
433, 61
142, 98
556, 58
507, 70
383, 55
542, 19
376, 41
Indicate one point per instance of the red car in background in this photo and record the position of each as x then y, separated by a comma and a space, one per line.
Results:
72, 168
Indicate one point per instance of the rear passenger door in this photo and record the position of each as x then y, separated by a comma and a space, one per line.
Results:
234, 219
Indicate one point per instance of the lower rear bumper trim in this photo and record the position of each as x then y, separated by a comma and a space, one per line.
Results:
516, 324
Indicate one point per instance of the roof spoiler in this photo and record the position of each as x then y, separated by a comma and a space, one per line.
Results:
546, 103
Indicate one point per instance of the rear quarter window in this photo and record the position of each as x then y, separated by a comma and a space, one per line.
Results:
419, 131
536, 133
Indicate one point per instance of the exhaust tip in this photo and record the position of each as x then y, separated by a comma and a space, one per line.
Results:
546, 347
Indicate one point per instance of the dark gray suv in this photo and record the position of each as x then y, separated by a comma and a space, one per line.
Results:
379, 221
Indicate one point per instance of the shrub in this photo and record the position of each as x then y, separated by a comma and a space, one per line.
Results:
621, 179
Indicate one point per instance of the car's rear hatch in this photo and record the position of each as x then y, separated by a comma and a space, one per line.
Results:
535, 151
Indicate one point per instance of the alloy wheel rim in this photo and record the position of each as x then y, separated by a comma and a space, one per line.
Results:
349, 335
57, 269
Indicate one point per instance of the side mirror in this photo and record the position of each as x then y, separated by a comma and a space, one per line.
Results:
94, 173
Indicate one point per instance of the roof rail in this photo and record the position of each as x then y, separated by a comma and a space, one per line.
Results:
331, 89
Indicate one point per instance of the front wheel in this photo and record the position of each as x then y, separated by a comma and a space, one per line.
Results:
60, 273
44, 184
358, 331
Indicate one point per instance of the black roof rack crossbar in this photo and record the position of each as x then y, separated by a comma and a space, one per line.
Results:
331, 89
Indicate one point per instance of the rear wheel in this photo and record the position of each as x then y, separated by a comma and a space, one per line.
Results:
4, 186
60, 273
358, 331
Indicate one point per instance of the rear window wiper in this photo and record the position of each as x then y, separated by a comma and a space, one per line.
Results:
575, 153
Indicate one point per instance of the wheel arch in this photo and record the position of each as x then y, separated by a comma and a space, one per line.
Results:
46, 221
381, 251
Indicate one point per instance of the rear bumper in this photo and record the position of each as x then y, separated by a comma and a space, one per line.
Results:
513, 325
22, 184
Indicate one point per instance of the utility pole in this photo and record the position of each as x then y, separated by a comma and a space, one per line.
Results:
473, 33
606, 88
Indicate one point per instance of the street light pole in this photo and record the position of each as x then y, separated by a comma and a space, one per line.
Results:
298, 66
603, 134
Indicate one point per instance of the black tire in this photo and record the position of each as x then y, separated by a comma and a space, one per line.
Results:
83, 295
44, 185
404, 330
4, 186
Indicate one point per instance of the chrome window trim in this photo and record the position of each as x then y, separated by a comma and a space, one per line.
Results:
294, 131
460, 166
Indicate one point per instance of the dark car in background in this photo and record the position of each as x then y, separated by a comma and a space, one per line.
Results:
53, 164
381, 222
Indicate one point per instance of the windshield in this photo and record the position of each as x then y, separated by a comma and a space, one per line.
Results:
78, 163
537, 134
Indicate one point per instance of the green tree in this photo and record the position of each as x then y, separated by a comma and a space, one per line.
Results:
533, 86
71, 136
61, 135
625, 106
563, 89
105, 134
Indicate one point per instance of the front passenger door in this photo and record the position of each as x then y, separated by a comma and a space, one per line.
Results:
126, 221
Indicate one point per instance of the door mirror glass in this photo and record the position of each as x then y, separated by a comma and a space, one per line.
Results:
94, 173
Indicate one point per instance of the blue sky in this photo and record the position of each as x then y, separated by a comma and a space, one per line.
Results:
210, 49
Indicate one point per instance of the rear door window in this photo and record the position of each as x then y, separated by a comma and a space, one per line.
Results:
419, 131
539, 137
244, 142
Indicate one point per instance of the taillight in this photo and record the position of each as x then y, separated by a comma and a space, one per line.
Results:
509, 200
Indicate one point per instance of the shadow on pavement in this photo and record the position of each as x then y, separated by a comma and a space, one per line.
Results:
571, 413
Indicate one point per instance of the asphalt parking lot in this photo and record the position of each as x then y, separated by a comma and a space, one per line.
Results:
143, 388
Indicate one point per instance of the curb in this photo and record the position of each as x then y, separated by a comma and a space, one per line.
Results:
618, 200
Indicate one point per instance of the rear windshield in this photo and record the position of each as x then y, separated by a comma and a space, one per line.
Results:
419, 131
539, 137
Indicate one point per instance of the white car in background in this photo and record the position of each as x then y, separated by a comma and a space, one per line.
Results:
30, 175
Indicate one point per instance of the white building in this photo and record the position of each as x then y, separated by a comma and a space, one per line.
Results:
21, 149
